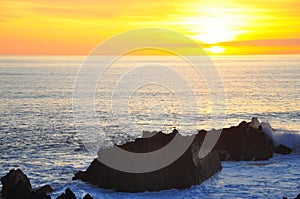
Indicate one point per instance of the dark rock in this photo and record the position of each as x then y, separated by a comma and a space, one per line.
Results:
241, 142
282, 149
184, 172
67, 195
298, 197
87, 196
39, 195
16, 185
45, 189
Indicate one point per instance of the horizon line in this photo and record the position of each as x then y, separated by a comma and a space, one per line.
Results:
150, 54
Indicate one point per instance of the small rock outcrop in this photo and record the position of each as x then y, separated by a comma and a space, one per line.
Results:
67, 195
184, 172
44, 189
282, 149
87, 196
16, 185
298, 197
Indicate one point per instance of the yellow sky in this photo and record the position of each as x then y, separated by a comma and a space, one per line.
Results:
221, 27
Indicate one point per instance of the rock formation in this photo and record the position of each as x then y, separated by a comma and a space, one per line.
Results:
297, 197
247, 141
16, 185
242, 142
67, 195
184, 172
282, 149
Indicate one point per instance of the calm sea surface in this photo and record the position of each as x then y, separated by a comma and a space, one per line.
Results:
42, 131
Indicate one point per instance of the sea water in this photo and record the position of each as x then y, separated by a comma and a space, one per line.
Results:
40, 134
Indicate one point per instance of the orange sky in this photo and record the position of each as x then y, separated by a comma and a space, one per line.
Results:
222, 27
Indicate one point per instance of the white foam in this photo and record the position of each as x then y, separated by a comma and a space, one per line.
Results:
285, 137
267, 129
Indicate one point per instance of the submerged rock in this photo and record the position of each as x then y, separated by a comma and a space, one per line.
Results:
184, 172
282, 149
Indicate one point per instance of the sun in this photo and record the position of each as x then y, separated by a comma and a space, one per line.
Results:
213, 30
215, 49
213, 25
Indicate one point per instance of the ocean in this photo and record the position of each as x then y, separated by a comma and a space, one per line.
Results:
43, 130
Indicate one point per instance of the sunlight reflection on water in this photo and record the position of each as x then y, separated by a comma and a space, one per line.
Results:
37, 130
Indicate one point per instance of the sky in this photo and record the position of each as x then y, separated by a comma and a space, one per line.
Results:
222, 27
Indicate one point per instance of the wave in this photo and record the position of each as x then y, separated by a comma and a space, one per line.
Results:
279, 136
288, 138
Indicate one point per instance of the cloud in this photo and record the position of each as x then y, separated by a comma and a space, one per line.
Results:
105, 9
263, 42
246, 22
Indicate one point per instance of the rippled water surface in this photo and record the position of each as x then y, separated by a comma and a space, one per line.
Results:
38, 126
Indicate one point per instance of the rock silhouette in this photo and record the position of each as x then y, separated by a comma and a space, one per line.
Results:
242, 142
247, 141
282, 149
16, 185
184, 172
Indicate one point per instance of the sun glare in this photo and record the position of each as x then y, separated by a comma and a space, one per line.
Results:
214, 25
239, 27
215, 49
214, 30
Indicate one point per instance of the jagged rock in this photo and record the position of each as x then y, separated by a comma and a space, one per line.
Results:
269, 131
282, 149
242, 142
184, 172
247, 141
298, 197
67, 195
87, 196
45, 189
39, 195
16, 185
